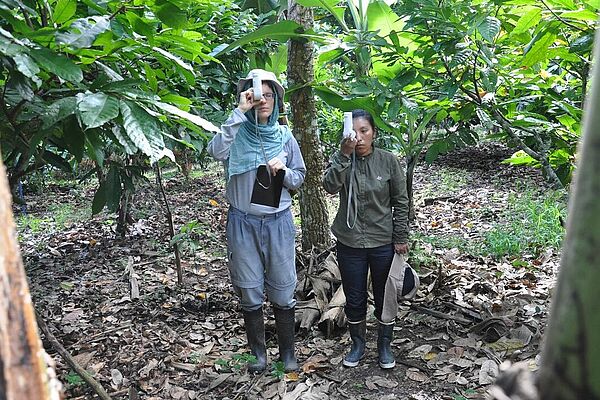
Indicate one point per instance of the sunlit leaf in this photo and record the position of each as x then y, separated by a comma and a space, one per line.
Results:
64, 10
83, 32
527, 21
95, 109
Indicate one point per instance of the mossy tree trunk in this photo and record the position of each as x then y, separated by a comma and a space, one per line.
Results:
313, 209
571, 353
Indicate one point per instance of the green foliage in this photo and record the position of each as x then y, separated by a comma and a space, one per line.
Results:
58, 218
471, 69
278, 369
530, 224
236, 363
188, 237
74, 379
110, 79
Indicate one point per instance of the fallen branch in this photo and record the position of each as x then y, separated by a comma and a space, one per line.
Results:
70, 360
440, 314
413, 365
102, 335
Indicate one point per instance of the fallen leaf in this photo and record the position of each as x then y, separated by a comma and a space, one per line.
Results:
416, 375
314, 363
116, 376
383, 382
488, 372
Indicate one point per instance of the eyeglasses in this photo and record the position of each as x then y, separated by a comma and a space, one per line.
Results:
269, 96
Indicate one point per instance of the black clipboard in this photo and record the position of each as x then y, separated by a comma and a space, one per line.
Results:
267, 192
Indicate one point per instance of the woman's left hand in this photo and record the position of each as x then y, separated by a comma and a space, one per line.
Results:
401, 248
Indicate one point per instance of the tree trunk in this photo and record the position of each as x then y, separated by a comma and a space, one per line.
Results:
313, 209
571, 354
23, 372
411, 163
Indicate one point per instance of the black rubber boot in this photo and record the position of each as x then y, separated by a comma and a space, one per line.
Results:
285, 324
358, 333
385, 335
255, 331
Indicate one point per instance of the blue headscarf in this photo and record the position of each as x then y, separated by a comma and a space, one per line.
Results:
245, 153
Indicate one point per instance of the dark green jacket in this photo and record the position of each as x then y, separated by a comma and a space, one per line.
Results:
380, 194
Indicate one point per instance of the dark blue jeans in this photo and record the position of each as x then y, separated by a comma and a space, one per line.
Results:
354, 266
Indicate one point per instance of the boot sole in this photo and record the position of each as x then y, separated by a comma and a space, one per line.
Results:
350, 363
387, 365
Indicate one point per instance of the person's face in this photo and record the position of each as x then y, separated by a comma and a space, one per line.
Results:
267, 103
364, 136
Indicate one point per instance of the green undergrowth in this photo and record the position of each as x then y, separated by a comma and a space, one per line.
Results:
529, 223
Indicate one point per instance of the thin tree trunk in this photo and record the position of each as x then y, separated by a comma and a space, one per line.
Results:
171, 226
571, 354
23, 373
411, 163
313, 209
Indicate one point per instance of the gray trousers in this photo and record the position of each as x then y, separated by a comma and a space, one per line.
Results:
262, 257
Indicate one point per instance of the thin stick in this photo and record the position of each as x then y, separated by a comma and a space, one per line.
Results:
70, 360
171, 227
440, 314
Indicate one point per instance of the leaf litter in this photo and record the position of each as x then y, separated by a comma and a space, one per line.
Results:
115, 305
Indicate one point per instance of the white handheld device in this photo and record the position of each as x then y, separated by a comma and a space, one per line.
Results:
256, 87
348, 129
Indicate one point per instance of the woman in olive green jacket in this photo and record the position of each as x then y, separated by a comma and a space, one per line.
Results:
370, 226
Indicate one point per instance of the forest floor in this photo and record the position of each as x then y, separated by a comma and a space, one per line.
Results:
473, 311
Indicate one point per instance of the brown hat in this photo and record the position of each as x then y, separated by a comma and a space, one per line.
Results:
264, 76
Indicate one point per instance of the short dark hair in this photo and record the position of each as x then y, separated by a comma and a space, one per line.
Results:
360, 113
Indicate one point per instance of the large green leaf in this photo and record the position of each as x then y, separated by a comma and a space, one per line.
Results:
113, 188
527, 21
201, 122
140, 26
144, 131
350, 103
128, 145
99, 199
380, 17
21, 85
96, 109
27, 67
580, 15
280, 31
56, 161
94, 146
172, 15
279, 59
64, 10
595, 4
489, 28
83, 32
175, 59
58, 111
74, 137
539, 50
57, 64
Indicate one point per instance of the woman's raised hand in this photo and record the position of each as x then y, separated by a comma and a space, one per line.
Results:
348, 145
247, 100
